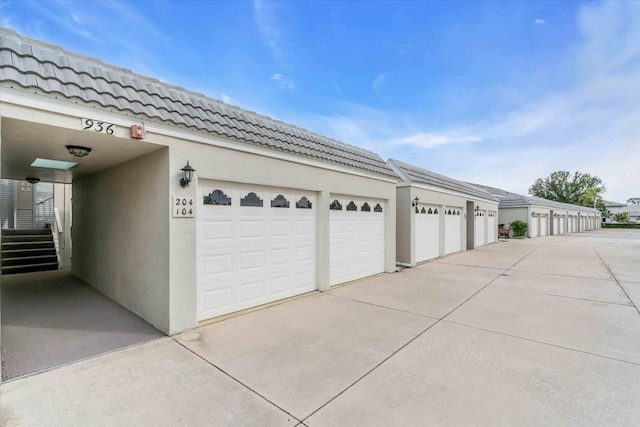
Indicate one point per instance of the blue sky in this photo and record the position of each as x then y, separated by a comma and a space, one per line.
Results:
498, 93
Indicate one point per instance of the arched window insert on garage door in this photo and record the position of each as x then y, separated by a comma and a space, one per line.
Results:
252, 200
365, 207
280, 202
335, 206
303, 203
217, 197
378, 208
352, 206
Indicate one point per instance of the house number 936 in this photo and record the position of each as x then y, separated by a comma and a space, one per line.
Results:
98, 126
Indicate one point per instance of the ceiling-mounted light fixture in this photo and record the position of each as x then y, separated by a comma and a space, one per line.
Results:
32, 180
78, 150
187, 175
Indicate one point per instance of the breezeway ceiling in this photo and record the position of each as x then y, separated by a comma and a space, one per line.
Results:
22, 142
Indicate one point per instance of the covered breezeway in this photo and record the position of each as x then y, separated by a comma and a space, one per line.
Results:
52, 318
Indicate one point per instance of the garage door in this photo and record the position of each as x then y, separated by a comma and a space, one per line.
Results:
479, 228
533, 232
254, 245
427, 232
561, 224
452, 229
356, 238
491, 226
543, 225
556, 225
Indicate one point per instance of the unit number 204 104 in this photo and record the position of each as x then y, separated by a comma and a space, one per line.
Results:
183, 207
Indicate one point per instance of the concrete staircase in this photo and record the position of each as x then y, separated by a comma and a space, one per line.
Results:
26, 251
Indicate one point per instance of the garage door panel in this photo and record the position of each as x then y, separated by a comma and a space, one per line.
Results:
491, 227
217, 231
480, 228
427, 237
252, 255
453, 229
356, 240
216, 264
217, 299
251, 290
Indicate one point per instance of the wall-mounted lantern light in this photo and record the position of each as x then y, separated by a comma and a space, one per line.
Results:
187, 175
78, 150
415, 202
477, 208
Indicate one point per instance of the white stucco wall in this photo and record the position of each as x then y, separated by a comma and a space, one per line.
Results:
121, 235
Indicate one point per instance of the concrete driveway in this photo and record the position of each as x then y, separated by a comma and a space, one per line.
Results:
521, 332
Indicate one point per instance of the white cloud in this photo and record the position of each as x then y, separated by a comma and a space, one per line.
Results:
378, 82
266, 20
540, 21
282, 82
429, 140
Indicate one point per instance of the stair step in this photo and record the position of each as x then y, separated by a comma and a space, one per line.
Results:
30, 268
27, 245
30, 260
31, 231
17, 253
28, 238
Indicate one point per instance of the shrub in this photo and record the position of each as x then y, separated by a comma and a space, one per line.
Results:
519, 228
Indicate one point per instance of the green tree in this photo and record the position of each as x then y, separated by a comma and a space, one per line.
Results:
633, 200
591, 197
563, 187
621, 217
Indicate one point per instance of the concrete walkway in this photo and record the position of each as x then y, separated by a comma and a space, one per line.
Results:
540, 331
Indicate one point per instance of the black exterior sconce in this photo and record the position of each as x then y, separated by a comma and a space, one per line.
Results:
415, 202
187, 175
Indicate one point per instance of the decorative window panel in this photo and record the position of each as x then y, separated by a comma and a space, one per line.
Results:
335, 206
280, 202
303, 203
251, 200
217, 197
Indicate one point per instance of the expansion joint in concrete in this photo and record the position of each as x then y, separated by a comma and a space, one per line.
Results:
237, 380
616, 279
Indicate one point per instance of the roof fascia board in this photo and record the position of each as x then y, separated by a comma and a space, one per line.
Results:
450, 192
21, 98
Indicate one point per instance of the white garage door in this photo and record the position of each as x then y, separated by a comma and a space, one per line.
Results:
427, 232
254, 245
533, 226
452, 229
556, 225
562, 219
479, 228
356, 238
543, 225
491, 226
